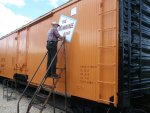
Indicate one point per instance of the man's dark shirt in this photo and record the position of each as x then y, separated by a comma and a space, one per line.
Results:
53, 34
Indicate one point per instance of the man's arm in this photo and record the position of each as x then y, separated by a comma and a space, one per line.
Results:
58, 35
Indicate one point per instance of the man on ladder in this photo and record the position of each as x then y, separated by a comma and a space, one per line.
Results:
53, 38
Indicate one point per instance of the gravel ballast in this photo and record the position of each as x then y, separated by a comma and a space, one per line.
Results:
11, 105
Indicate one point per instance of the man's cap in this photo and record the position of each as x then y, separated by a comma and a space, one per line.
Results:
55, 23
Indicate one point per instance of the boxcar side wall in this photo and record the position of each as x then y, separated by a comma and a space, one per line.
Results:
92, 55
81, 52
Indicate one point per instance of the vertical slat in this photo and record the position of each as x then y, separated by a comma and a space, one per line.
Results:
117, 40
140, 41
129, 47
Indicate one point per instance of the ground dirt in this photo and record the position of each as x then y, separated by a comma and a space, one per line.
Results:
11, 105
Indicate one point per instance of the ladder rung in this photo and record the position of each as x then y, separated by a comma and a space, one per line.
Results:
38, 106
109, 46
4, 88
59, 68
48, 87
9, 90
42, 95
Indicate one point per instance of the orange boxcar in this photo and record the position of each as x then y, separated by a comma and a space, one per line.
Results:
92, 55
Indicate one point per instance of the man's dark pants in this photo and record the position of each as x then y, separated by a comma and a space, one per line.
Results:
52, 50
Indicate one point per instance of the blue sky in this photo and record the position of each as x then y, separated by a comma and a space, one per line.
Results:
15, 13
35, 8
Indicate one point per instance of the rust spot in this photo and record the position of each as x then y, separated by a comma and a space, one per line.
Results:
16, 38
101, 5
2, 65
2, 59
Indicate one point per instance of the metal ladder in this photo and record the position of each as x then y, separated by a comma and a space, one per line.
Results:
9, 89
42, 86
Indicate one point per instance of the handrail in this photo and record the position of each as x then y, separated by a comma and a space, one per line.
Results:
45, 75
30, 81
65, 65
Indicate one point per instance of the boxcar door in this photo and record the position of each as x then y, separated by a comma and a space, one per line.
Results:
3, 57
14, 53
21, 65
11, 55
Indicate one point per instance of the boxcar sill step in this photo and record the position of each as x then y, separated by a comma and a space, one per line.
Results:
55, 77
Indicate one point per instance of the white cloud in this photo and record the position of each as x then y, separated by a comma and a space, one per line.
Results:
10, 21
13, 2
54, 3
